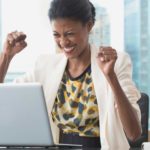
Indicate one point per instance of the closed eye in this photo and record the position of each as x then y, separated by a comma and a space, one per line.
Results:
56, 35
70, 33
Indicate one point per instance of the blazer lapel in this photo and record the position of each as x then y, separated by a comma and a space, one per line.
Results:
100, 84
52, 85
102, 93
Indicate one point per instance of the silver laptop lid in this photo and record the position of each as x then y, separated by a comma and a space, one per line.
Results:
23, 116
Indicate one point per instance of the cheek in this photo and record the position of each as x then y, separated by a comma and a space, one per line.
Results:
83, 39
57, 41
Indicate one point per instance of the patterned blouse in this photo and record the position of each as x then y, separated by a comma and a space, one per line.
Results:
75, 109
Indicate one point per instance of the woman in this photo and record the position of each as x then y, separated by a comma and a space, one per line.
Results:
90, 95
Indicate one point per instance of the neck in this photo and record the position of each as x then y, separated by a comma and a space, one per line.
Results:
82, 61
77, 66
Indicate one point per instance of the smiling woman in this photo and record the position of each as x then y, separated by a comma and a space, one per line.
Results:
90, 95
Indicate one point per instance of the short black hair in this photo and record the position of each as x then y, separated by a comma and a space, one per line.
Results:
81, 10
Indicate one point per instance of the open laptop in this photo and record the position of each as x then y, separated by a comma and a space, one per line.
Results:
24, 118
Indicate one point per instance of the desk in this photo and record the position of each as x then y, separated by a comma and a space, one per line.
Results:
56, 148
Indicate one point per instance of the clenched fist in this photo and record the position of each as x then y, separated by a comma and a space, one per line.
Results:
106, 59
14, 43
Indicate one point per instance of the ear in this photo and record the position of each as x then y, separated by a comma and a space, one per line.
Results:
90, 25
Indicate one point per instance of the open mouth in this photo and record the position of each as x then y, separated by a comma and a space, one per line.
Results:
69, 49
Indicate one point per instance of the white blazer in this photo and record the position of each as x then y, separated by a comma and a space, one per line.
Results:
49, 70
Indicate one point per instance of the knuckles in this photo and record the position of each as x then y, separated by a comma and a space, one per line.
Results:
16, 36
107, 54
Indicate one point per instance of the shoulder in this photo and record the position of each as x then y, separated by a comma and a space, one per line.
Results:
122, 55
123, 60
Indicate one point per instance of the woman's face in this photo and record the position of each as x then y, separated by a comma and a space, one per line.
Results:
71, 36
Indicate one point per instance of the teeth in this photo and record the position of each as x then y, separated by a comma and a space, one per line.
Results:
68, 49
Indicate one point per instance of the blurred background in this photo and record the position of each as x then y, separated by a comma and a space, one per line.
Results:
122, 24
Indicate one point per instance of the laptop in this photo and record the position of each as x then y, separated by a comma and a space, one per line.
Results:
24, 117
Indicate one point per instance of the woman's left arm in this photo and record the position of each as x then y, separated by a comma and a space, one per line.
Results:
106, 59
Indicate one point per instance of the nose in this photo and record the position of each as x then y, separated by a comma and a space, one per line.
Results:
63, 41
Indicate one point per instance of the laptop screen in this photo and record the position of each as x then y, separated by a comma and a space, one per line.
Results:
23, 115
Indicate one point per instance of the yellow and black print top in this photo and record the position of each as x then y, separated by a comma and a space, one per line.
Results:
75, 108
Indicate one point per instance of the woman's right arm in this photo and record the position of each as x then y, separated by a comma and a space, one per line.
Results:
15, 42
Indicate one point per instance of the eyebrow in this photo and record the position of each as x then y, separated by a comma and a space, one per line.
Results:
70, 30
55, 32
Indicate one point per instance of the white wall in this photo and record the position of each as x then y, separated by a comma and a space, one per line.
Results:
29, 16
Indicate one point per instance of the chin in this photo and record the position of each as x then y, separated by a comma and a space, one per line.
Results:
70, 57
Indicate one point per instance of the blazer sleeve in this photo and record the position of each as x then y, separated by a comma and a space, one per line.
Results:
123, 69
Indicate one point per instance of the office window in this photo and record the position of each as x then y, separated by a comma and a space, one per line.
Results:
109, 28
137, 35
